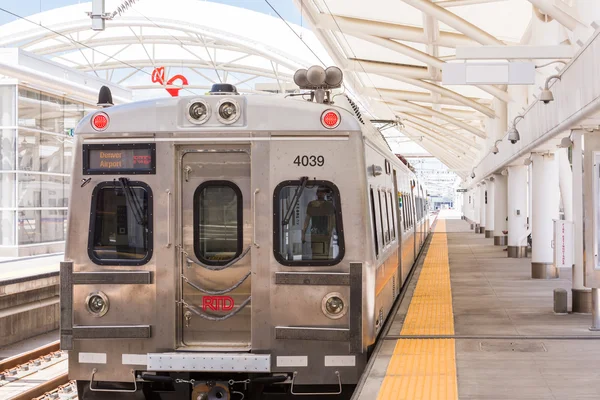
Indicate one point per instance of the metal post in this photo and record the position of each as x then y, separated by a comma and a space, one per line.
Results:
595, 310
582, 297
97, 15
545, 203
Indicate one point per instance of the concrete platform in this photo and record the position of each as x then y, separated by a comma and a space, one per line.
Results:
16, 268
28, 344
29, 303
508, 343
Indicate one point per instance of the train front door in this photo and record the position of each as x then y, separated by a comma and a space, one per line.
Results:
215, 249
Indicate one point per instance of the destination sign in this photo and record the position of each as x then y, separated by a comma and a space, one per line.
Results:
119, 159
461, 190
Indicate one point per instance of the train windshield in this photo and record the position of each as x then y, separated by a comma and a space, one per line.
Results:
121, 223
308, 225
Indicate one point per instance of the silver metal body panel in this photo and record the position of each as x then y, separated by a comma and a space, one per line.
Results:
256, 154
209, 362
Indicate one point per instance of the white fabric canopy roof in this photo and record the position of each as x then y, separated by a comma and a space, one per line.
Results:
392, 52
203, 41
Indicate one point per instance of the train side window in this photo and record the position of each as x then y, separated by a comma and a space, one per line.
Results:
384, 238
412, 210
374, 218
121, 223
391, 211
388, 215
218, 226
404, 205
316, 235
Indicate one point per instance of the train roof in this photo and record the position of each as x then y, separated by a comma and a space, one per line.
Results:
271, 113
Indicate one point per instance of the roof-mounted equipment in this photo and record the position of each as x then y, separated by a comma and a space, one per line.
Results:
320, 81
223, 89
105, 97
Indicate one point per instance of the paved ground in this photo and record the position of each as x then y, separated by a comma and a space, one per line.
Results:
508, 342
495, 295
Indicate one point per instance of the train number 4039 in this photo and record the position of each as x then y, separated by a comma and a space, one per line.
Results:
310, 160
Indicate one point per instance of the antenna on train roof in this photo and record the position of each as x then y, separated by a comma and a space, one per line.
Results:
320, 81
105, 97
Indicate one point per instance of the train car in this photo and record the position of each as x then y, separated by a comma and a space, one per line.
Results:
229, 246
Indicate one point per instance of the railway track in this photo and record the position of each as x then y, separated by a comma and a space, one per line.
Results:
40, 374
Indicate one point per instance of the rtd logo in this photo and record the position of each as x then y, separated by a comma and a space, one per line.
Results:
217, 303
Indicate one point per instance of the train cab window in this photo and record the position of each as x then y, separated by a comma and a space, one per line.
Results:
218, 234
308, 223
121, 223
374, 219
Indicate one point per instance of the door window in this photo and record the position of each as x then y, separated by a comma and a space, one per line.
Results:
121, 223
218, 223
308, 224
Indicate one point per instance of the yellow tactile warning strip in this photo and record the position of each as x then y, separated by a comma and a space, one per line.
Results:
426, 368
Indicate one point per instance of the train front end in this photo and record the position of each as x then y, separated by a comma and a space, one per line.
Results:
207, 253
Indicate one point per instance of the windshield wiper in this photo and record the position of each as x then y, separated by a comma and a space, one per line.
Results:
290, 210
133, 202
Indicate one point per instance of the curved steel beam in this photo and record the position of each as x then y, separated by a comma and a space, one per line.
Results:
430, 125
389, 30
454, 21
442, 116
451, 139
444, 92
37, 35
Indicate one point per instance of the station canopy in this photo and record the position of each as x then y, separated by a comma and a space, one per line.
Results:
392, 53
180, 45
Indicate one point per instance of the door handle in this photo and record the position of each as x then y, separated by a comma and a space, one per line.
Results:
254, 219
186, 172
168, 218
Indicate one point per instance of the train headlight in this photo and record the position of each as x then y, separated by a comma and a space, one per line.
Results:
97, 304
333, 305
228, 111
198, 112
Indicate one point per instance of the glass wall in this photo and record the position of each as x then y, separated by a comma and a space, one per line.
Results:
36, 149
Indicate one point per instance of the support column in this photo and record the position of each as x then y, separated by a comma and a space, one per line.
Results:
517, 211
500, 210
544, 210
489, 208
582, 297
476, 211
565, 182
482, 208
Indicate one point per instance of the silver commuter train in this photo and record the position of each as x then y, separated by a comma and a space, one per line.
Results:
229, 246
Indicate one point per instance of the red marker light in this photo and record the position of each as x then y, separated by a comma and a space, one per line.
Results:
330, 119
100, 121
